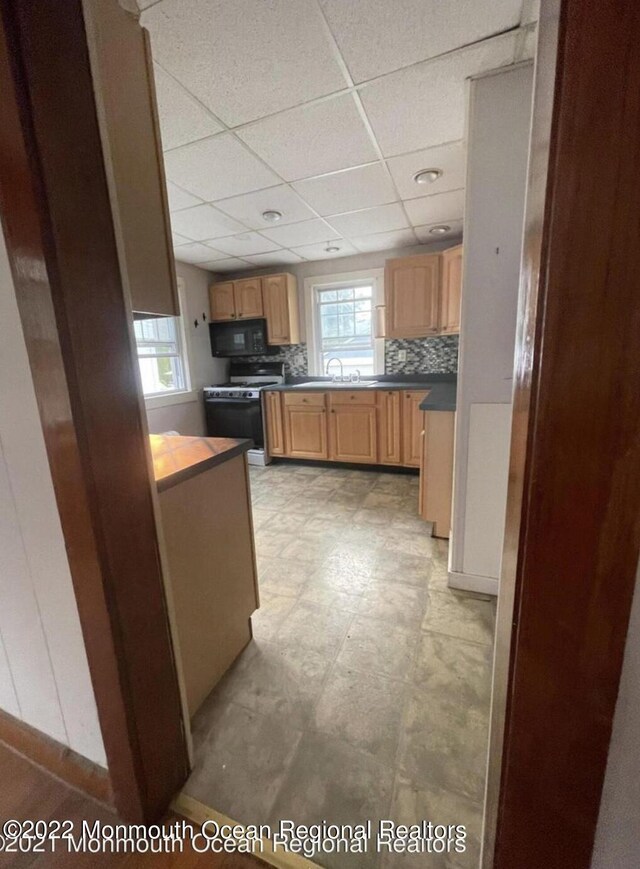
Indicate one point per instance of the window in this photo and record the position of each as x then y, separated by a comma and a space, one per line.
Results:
162, 367
343, 324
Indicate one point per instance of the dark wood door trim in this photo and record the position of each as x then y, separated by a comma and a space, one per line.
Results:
573, 521
58, 226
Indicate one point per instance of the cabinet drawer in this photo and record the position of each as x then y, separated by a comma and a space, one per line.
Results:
304, 399
359, 396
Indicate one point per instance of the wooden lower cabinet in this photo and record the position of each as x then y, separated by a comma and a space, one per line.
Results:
305, 425
412, 426
360, 426
274, 423
352, 428
436, 470
389, 427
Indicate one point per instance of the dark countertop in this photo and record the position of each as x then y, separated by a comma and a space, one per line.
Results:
440, 392
441, 396
176, 458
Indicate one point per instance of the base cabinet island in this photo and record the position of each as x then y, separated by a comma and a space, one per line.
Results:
205, 506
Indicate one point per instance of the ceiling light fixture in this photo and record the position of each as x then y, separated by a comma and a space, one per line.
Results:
272, 216
439, 230
427, 176
332, 248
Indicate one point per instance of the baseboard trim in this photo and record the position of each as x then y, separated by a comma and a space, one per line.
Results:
471, 582
55, 758
199, 813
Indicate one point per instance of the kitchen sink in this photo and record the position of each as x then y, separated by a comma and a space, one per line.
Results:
330, 384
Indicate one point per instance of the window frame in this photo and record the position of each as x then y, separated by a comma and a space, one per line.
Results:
186, 393
373, 277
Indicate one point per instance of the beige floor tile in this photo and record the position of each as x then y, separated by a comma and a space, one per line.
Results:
273, 680
388, 501
377, 647
364, 710
375, 517
402, 567
399, 604
271, 545
330, 779
307, 547
267, 619
309, 626
459, 616
413, 803
444, 744
286, 577
243, 763
454, 670
411, 543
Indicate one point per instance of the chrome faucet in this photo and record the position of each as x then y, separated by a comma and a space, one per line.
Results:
355, 377
335, 378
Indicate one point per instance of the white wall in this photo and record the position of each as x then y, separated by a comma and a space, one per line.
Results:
187, 417
44, 674
498, 146
618, 833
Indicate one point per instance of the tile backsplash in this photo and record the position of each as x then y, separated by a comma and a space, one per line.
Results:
438, 355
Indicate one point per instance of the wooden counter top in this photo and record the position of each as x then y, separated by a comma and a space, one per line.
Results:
176, 457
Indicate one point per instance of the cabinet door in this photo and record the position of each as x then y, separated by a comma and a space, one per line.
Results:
306, 432
389, 430
280, 300
222, 301
248, 298
130, 133
412, 426
412, 289
274, 425
436, 471
451, 290
352, 433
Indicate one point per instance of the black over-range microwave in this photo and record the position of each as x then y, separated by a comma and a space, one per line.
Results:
248, 338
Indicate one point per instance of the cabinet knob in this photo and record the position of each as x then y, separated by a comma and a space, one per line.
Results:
332, 410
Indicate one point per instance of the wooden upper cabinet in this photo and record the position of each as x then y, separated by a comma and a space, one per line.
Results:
128, 118
274, 422
412, 290
451, 294
280, 300
412, 426
222, 298
248, 298
389, 427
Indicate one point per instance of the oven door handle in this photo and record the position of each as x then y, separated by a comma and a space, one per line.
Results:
233, 402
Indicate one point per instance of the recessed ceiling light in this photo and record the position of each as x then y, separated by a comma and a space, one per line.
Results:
272, 216
332, 248
427, 176
439, 230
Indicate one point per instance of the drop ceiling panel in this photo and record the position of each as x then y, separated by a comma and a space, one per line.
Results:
382, 218
348, 191
297, 234
249, 207
196, 253
204, 222
312, 139
450, 159
384, 240
182, 119
282, 257
247, 58
217, 168
180, 198
455, 231
378, 37
318, 252
424, 105
437, 208
247, 243
231, 264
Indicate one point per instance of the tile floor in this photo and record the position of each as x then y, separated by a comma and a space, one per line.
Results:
365, 692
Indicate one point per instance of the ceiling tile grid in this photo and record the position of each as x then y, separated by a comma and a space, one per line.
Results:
322, 111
